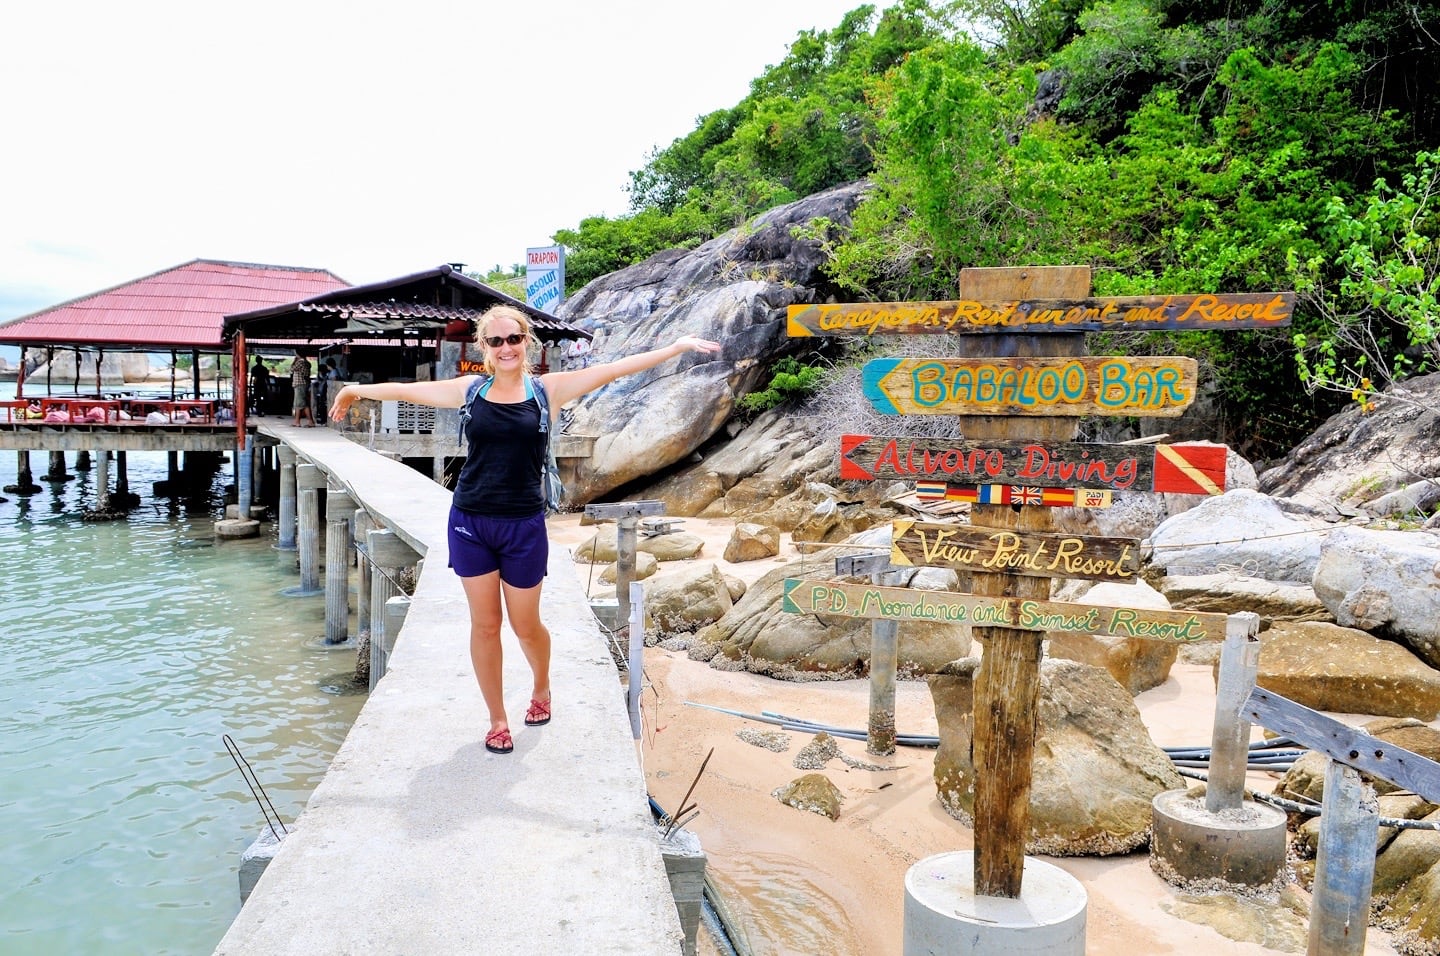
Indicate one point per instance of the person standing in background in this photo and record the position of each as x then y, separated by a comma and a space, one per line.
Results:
300, 386
259, 386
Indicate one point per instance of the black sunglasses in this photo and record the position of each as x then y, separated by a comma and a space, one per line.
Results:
495, 341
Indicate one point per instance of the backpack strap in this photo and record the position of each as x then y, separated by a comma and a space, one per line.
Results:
479, 387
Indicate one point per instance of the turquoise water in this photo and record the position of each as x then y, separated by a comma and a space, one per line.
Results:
130, 649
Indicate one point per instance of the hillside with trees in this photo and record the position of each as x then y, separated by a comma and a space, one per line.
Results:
1250, 145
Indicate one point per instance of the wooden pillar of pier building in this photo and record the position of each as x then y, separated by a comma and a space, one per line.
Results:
56, 471
24, 480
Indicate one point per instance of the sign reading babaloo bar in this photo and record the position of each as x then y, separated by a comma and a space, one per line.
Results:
1250, 310
1188, 468
947, 607
998, 551
1093, 385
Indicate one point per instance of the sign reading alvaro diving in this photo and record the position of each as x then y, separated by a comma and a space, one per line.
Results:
545, 277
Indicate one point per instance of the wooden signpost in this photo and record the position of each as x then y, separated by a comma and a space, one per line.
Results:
1030, 386
1019, 397
1134, 313
873, 602
1187, 469
1004, 551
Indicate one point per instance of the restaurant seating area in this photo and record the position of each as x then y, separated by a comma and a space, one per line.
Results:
105, 410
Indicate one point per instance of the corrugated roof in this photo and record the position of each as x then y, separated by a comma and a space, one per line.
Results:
420, 304
179, 308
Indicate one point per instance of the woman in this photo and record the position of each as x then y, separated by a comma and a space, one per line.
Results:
498, 544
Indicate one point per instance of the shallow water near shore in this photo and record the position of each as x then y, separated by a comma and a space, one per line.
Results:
131, 649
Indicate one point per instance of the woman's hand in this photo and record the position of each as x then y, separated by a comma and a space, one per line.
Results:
690, 343
342, 402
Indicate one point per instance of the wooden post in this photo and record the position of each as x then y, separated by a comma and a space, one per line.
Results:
626, 515
1344, 864
884, 653
637, 654
1230, 739
1007, 686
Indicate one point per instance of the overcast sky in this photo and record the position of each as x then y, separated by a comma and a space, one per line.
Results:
373, 139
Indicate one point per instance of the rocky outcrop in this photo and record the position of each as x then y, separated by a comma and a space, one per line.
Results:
1357, 456
1386, 582
1242, 530
1343, 670
733, 289
1233, 591
1135, 663
1095, 768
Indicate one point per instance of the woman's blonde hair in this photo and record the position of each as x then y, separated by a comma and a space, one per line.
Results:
488, 317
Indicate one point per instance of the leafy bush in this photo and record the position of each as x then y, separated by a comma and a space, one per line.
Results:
790, 379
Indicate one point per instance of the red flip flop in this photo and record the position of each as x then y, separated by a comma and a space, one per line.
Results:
539, 713
499, 741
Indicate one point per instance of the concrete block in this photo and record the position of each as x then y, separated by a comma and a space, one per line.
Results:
253, 861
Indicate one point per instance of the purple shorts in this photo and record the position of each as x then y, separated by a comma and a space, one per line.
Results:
516, 547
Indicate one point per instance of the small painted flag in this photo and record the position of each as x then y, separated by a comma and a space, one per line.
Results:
1014, 495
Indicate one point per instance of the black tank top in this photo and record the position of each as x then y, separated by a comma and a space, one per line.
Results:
501, 475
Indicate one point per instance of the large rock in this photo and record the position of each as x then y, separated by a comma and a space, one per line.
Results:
758, 635
752, 542
1095, 769
1343, 670
684, 599
747, 475
1232, 592
1385, 582
1358, 456
1137, 664
1243, 530
734, 289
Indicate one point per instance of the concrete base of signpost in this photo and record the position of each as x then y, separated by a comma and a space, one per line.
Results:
1190, 846
943, 914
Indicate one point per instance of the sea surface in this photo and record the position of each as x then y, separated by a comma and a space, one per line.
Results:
129, 650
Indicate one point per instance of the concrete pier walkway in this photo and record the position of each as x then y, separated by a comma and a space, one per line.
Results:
418, 841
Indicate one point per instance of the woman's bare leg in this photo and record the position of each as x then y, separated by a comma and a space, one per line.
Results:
482, 593
523, 606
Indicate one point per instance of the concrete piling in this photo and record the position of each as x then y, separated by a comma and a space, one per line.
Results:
339, 510
286, 518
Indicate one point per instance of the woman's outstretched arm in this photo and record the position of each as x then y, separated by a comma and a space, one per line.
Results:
565, 387
445, 393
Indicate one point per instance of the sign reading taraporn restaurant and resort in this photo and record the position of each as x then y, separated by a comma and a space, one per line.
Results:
1136, 313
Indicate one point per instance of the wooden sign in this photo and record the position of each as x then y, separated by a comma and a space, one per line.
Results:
1190, 469
947, 607
1132, 313
1014, 495
1033, 554
1093, 385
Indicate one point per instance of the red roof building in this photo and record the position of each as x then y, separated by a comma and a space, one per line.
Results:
179, 308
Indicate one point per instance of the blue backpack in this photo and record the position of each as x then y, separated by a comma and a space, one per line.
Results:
550, 486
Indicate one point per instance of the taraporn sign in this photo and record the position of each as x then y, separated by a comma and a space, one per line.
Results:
1135, 313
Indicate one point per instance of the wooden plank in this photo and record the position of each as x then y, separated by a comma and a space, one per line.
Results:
1130, 313
1015, 495
1162, 386
1180, 468
1003, 551
912, 604
1007, 684
1345, 744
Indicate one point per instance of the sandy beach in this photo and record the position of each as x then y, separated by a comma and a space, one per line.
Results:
801, 884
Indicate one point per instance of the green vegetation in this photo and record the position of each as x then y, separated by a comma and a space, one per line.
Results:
790, 379
1205, 146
